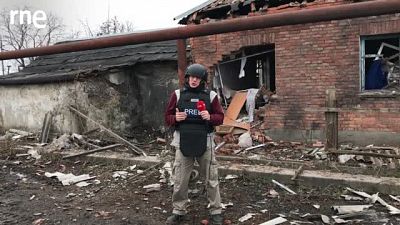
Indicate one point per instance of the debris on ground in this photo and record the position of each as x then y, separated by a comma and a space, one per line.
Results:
275, 221
246, 217
152, 187
69, 179
120, 174
346, 209
14, 134
134, 194
284, 187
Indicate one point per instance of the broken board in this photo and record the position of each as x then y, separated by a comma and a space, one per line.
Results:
236, 105
230, 125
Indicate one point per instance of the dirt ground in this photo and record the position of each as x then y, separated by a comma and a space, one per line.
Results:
27, 196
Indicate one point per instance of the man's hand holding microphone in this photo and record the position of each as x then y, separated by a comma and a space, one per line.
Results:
201, 106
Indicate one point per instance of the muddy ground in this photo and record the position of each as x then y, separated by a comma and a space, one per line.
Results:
27, 196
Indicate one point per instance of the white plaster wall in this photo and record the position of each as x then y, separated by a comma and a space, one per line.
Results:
121, 101
24, 106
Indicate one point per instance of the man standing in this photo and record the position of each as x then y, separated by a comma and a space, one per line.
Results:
194, 111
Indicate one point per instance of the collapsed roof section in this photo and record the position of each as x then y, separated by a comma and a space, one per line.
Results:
223, 9
72, 65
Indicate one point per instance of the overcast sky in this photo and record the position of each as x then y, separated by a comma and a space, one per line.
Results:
144, 14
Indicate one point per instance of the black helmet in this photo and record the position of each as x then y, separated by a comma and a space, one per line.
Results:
196, 70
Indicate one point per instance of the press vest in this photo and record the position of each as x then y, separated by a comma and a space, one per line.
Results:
187, 102
193, 130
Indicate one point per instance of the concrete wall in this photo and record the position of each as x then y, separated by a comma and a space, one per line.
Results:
144, 91
121, 99
24, 106
157, 82
310, 58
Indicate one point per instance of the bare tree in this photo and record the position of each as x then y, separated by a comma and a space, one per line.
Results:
20, 36
87, 29
113, 26
110, 26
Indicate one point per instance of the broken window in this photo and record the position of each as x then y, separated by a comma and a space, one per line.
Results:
380, 62
250, 67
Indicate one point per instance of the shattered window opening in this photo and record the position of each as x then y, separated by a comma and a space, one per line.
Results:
259, 68
250, 73
380, 63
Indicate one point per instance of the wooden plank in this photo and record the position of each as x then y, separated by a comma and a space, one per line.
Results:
372, 154
331, 121
119, 138
297, 172
378, 148
91, 131
230, 122
44, 135
331, 130
236, 105
223, 129
92, 151
397, 162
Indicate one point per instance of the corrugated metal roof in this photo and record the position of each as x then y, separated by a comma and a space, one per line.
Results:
190, 11
219, 9
66, 66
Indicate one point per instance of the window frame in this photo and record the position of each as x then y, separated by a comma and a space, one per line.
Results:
363, 39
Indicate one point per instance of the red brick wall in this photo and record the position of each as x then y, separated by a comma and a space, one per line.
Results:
309, 59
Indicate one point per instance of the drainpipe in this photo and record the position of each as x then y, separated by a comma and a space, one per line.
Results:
182, 63
351, 10
1, 50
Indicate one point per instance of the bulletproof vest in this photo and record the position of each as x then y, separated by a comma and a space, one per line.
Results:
193, 130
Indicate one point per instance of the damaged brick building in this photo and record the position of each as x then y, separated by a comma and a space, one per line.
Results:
300, 62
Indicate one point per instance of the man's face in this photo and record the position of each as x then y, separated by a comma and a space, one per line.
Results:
194, 82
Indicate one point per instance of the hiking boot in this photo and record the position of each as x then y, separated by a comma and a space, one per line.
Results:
175, 219
216, 219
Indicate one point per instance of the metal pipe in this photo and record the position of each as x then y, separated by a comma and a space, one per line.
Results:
182, 62
1, 50
353, 10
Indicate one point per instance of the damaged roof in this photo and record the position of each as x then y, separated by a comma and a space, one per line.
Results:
72, 65
222, 9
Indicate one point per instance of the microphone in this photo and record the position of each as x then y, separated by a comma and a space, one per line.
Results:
201, 105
